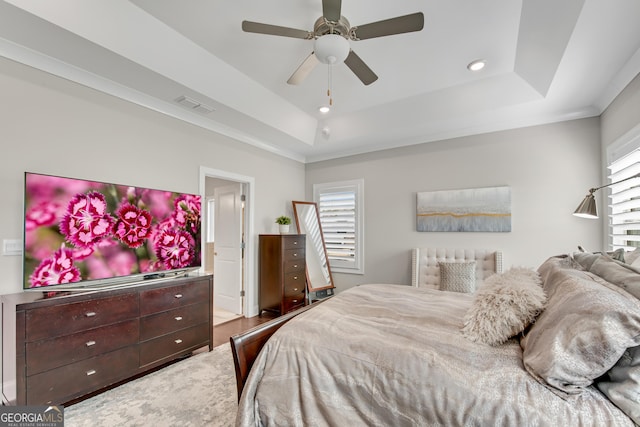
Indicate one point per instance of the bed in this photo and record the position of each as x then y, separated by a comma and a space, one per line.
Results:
387, 354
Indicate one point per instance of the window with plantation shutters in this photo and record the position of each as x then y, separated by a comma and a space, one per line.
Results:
624, 202
340, 210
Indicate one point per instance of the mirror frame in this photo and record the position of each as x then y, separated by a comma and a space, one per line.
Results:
310, 286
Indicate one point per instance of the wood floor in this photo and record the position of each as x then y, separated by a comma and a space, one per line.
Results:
222, 332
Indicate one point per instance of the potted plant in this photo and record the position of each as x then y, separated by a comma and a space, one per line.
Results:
283, 222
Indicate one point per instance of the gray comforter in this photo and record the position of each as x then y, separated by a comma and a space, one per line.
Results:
391, 355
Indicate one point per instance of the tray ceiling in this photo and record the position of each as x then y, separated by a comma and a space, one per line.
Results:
546, 61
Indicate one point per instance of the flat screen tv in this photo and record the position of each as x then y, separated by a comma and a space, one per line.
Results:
80, 233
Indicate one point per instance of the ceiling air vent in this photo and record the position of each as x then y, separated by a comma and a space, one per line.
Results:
192, 104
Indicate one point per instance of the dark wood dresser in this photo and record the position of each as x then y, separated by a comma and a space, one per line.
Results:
59, 348
282, 272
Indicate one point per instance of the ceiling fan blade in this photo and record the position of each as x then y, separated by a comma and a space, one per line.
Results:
275, 30
360, 69
331, 10
388, 27
303, 70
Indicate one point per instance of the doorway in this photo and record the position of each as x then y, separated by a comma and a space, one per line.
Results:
227, 251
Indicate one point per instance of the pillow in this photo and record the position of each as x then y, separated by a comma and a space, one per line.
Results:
620, 274
622, 383
585, 259
504, 306
618, 255
459, 276
632, 257
586, 327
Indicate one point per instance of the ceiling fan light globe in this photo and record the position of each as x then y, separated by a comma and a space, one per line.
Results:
331, 49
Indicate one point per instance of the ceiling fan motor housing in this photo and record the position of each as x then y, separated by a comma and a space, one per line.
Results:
331, 49
322, 26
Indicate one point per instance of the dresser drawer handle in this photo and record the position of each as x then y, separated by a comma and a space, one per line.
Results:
295, 243
296, 254
91, 372
295, 300
295, 265
295, 289
90, 343
178, 341
178, 318
295, 277
178, 296
90, 314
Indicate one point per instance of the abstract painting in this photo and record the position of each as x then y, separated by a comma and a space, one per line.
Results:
474, 209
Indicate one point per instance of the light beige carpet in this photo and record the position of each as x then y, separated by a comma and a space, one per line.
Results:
198, 391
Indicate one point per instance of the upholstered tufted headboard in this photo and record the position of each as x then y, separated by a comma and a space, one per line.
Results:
426, 273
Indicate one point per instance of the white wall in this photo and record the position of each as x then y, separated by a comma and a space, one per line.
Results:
549, 169
623, 114
53, 126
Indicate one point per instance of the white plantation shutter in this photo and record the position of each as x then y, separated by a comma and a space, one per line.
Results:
338, 219
340, 210
624, 202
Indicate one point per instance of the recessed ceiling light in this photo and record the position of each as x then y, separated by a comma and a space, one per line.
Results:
324, 109
477, 65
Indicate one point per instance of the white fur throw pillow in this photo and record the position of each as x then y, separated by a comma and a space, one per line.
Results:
504, 306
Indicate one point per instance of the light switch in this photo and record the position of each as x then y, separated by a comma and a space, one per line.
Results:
11, 247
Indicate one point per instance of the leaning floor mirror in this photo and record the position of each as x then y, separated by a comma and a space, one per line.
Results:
318, 269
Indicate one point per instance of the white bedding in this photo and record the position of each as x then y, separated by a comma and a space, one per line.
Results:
392, 355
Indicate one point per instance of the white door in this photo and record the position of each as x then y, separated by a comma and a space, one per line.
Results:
227, 260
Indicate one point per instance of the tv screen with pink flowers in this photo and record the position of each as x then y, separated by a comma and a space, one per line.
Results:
80, 232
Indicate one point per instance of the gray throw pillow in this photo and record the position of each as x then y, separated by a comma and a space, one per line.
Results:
586, 327
618, 274
585, 259
504, 306
458, 276
633, 256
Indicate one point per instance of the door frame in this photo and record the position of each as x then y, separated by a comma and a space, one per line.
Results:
250, 303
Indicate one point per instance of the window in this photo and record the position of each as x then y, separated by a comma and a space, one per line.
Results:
340, 206
624, 199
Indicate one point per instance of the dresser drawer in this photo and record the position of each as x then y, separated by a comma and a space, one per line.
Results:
294, 242
48, 354
65, 319
293, 255
58, 385
294, 283
173, 344
163, 323
294, 266
162, 299
293, 302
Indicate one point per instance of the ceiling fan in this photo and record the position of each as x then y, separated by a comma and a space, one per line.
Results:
331, 35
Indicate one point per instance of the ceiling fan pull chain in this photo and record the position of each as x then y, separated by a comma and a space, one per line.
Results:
330, 84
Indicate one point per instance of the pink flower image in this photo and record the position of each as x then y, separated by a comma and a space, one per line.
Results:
160, 203
41, 215
175, 248
119, 264
187, 212
133, 225
55, 270
105, 230
87, 220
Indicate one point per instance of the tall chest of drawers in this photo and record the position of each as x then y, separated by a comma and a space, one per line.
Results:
282, 272
58, 349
